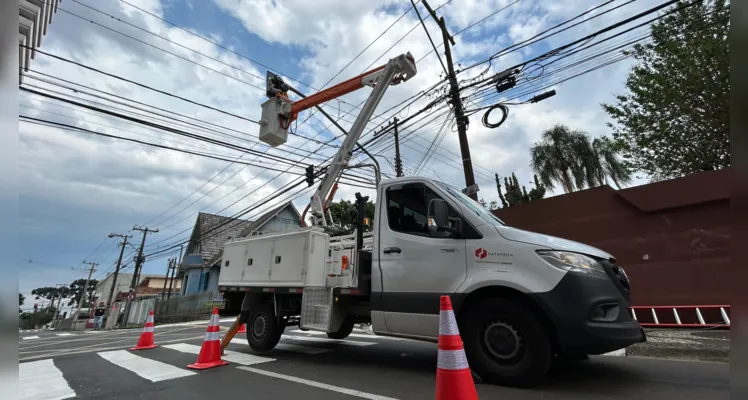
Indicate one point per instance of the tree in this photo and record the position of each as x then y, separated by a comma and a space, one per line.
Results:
36, 319
344, 214
76, 288
516, 194
568, 158
675, 118
51, 293
21, 299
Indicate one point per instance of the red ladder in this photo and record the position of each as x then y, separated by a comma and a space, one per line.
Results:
682, 316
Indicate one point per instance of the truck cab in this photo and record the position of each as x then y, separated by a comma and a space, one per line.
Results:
521, 298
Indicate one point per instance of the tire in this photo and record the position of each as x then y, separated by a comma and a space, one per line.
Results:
505, 343
345, 329
263, 330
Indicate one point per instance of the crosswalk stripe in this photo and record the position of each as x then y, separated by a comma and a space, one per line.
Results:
288, 347
30, 337
323, 340
230, 356
358, 335
154, 371
41, 380
64, 334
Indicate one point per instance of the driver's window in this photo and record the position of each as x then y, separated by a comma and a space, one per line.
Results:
407, 207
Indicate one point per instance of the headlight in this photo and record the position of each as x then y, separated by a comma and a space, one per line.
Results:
574, 262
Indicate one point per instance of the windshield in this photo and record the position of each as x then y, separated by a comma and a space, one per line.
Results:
472, 205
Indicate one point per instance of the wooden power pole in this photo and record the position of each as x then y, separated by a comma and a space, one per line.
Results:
471, 188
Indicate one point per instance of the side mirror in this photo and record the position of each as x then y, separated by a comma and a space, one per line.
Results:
438, 216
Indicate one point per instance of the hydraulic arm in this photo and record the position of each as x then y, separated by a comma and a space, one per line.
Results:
279, 112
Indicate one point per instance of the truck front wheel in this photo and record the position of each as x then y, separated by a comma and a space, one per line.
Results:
263, 329
505, 343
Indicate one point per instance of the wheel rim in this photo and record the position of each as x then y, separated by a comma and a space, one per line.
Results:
503, 341
260, 326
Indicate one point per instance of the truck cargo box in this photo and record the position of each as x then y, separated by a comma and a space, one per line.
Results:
296, 259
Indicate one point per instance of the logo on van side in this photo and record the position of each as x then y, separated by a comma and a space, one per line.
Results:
481, 253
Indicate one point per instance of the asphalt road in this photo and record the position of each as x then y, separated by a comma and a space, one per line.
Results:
310, 366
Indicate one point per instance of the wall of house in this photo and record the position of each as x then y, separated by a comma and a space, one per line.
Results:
123, 285
193, 280
285, 221
213, 279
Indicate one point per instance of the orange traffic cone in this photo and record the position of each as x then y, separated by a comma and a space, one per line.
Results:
210, 352
243, 329
146, 338
453, 378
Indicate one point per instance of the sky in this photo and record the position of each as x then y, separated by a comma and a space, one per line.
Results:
77, 188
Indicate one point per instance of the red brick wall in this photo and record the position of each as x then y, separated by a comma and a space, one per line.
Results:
671, 237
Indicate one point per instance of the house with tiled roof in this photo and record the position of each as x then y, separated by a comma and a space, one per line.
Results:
200, 264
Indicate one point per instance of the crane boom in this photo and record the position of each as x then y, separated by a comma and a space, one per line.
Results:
279, 111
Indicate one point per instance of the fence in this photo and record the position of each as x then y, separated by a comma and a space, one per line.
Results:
139, 310
187, 308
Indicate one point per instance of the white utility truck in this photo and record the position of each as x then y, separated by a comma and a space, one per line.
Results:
522, 299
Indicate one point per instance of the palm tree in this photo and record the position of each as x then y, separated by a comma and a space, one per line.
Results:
611, 166
567, 157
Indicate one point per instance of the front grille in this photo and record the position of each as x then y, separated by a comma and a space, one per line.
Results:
622, 277
619, 277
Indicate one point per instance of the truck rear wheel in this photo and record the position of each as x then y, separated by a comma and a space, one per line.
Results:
263, 329
345, 329
505, 343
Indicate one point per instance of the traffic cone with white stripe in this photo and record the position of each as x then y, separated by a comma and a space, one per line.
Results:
146, 338
210, 352
453, 378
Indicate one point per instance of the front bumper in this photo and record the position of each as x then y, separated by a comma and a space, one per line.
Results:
590, 315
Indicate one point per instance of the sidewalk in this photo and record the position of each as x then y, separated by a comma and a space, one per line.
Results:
693, 345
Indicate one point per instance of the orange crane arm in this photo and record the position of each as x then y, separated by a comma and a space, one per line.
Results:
342, 88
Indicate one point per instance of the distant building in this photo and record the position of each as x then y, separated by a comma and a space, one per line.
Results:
200, 265
33, 18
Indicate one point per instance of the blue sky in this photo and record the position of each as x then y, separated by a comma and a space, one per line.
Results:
78, 188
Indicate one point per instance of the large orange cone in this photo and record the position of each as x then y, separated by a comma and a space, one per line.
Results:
243, 329
210, 352
453, 378
146, 338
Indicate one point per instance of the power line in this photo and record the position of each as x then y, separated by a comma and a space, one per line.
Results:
139, 84
77, 128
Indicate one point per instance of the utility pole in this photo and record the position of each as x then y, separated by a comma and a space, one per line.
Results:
139, 259
116, 270
177, 262
166, 277
83, 295
398, 161
471, 189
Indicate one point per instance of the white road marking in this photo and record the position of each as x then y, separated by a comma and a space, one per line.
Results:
154, 371
289, 347
54, 353
30, 337
230, 356
617, 353
350, 392
323, 340
357, 335
41, 380
94, 331
64, 334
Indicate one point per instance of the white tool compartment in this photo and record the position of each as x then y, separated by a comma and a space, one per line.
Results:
295, 259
